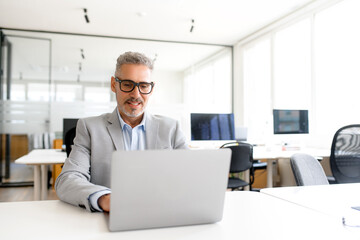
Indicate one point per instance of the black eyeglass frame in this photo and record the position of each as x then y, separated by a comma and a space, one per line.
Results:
134, 85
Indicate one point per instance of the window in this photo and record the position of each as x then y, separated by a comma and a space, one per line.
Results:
337, 72
18, 92
68, 93
292, 67
208, 85
257, 89
38, 92
97, 94
223, 82
286, 76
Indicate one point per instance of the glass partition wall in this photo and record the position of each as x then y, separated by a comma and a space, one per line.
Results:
54, 76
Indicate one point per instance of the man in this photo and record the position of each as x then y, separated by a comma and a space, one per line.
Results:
85, 178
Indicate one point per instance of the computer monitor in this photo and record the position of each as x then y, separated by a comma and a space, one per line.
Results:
290, 121
212, 126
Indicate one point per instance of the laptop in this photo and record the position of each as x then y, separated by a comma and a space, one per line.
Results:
166, 188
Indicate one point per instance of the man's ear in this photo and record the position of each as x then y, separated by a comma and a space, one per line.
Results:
113, 84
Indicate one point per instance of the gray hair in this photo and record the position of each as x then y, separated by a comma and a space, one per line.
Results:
133, 58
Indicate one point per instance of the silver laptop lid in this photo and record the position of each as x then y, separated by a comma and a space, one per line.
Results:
163, 188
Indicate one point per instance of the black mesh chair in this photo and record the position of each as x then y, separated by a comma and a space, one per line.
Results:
241, 161
345, 154
69, 140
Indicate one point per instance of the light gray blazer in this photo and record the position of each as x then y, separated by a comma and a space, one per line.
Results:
87, 169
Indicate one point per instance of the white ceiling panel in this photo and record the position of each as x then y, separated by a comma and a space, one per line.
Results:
215, 21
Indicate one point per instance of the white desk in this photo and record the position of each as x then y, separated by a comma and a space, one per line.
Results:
247, 215
274, 154
40, 159
335, 200
269, 153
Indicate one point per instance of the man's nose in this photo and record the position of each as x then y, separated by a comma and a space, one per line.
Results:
135, 92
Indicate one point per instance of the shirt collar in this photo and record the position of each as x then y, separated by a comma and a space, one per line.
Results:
123, 123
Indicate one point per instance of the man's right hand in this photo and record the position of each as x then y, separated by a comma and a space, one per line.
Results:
104, 202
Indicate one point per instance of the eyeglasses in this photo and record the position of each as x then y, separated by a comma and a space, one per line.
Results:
129, 85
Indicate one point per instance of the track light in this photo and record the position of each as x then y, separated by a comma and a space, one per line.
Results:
86, 16
82, 53
80, 67
192, 25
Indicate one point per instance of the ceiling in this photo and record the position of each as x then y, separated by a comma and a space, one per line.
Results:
216, 24
215, 21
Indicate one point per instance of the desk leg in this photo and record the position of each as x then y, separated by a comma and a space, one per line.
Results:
37, 182
269, 170
44, 182
247, 179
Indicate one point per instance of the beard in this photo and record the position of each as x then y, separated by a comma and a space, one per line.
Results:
133, 112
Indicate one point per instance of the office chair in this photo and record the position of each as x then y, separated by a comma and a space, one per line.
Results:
69, 140
345, 154
307, 170
241, 160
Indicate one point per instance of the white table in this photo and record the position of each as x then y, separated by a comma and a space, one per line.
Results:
275, 153
40, 159
334, 200
247, 215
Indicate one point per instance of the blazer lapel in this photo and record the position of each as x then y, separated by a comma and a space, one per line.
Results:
115, 130
152, 131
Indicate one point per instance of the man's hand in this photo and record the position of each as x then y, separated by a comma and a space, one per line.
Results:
104, 202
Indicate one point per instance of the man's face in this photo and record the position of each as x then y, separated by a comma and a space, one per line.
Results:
132, 104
